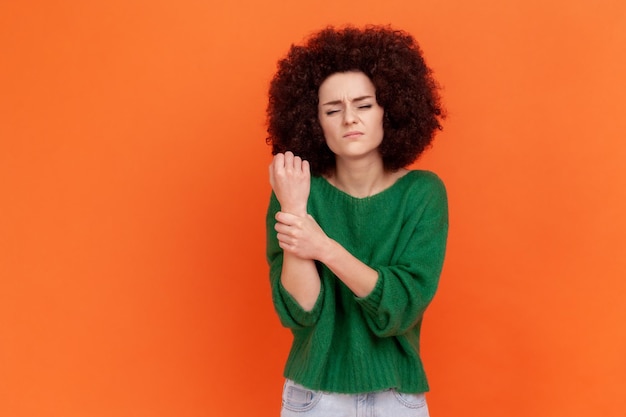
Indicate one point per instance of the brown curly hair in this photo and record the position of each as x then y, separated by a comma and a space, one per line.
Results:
393, 61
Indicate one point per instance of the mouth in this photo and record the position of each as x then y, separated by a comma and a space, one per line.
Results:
353, 134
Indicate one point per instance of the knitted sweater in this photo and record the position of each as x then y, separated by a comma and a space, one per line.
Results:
347, 344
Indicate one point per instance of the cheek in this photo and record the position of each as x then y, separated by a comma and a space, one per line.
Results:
327, 128
378, 122
381, 117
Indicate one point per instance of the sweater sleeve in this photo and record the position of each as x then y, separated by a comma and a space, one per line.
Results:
407, 286
290, 313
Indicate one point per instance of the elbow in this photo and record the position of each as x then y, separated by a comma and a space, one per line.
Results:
388, 325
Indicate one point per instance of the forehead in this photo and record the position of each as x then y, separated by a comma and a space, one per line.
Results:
346, 85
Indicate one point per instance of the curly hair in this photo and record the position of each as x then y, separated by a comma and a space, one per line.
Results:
405, 89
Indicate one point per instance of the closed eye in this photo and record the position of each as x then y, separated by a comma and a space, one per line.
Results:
331, 112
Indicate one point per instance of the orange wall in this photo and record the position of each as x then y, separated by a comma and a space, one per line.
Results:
133, 191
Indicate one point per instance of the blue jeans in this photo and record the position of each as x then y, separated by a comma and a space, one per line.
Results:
299, 401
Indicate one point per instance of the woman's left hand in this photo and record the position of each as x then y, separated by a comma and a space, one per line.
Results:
300, 235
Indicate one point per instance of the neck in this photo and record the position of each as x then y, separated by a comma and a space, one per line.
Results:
361, 178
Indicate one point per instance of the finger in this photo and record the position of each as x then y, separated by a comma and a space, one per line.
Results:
281, 228
282, 238
286, 240
297, 163
285, 246
306, 167
286, 218
288, 160
279, 160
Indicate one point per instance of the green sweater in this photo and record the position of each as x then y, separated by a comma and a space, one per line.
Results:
348, 344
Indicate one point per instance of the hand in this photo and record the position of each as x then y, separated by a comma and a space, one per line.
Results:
290, 178
301, 236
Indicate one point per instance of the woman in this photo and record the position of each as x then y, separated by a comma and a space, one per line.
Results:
355, 240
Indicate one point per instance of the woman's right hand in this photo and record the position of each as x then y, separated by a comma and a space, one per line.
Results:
290, 178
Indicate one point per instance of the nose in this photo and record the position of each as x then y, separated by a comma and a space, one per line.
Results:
349, 116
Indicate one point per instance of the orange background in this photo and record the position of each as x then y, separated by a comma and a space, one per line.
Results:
133, 187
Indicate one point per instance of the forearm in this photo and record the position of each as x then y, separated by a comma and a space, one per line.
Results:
301, 279
359, 277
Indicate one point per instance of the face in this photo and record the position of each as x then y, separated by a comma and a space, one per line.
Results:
351, 119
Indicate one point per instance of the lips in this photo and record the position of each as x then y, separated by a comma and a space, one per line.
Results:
353, 134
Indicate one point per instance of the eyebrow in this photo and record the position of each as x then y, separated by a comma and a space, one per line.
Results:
335, 102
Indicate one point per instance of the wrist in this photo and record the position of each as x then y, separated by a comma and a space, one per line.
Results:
296, 211
328, 249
